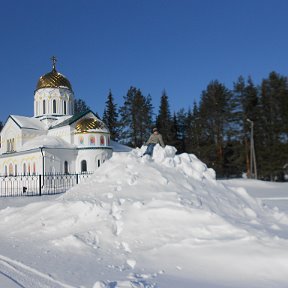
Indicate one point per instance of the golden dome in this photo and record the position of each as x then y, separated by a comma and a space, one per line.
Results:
87, 124
53, 79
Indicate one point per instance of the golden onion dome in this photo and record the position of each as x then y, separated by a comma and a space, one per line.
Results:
53, 79
86, 124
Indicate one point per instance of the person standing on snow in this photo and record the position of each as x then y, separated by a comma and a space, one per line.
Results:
155, 138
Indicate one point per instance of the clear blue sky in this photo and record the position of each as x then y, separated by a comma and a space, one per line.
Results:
177, 45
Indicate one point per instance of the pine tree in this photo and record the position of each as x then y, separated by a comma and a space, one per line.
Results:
214, 111
110, 117
136, 118
80, 106
179, 124
164, 121
274, 146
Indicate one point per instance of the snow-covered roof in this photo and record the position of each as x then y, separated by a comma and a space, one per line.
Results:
59, 121
46, 141
117, 147
28, 122
71, 119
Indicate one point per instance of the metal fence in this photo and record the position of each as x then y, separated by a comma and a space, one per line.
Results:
37, 185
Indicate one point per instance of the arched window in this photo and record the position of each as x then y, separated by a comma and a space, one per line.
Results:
24, 169
5, 170
44, 107
34, 168
65, 107
54, 106
92, 140
10, 169
29, 169
15, 170
98, 162
83, 166
102, 141
66, 170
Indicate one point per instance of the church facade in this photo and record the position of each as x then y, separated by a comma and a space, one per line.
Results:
54, 140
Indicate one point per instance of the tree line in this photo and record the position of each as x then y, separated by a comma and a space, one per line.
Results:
217, 129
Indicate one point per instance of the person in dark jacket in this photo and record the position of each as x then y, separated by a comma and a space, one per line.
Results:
155, 138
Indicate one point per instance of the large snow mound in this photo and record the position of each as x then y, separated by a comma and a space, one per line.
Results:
141, 218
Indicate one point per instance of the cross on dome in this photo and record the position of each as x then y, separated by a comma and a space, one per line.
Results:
54, 60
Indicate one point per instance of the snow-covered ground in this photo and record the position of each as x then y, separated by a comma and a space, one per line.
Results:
141, 222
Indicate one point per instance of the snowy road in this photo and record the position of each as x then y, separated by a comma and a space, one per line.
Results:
273, 194
14, 274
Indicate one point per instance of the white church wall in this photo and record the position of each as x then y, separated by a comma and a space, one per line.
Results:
21, 164
60, 95
94, 159
55, 160
10, 137
62, 132
96, 139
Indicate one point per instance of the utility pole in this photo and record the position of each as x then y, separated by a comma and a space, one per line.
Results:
253, 165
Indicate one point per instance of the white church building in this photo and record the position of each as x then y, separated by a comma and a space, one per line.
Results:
54, 140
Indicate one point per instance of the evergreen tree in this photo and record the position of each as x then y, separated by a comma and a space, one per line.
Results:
215, 113
244, 106
179, 124
193, 131
110, 117
80, 106
164, 121
274, 144
136, 118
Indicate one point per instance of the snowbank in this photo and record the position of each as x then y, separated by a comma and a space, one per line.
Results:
153, 222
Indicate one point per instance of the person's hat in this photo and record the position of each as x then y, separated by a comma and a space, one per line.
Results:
155, 129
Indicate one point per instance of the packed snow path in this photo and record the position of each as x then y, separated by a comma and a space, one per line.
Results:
15, 275
142, 222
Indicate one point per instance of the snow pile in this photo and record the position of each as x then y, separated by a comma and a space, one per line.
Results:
160, 222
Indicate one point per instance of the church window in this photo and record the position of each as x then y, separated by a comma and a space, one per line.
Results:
54, 106
92, 140
5, 170
15, 170
98, 162
44, 107
8, 145
66, 170
81, 140
65, 107
29, 169
24, 169
102, 140
83, 166
13, 144
10, 169
34, 168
